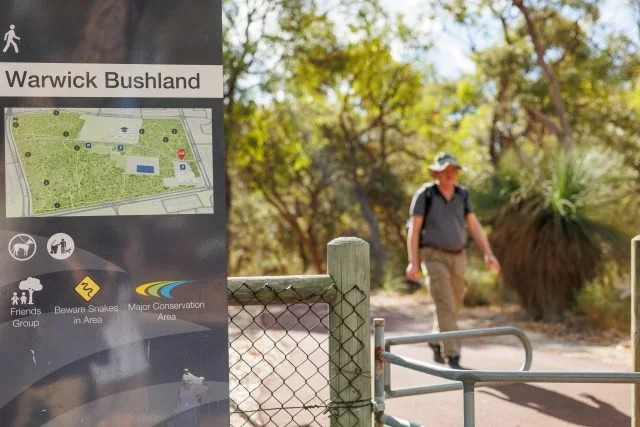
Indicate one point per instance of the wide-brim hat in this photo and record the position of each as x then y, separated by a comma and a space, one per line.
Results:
443, 161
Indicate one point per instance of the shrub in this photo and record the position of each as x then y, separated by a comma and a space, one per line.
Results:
555, 233
483, 287
601, 303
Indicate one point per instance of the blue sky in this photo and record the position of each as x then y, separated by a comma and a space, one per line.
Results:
450, 52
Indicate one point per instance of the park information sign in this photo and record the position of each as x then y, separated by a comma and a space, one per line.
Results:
112, 214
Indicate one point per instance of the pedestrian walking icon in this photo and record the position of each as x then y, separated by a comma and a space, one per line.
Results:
10, 37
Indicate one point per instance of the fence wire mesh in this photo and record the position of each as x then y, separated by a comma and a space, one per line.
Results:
283, 371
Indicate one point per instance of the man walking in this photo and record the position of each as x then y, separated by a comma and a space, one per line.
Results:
10, 37
436, 239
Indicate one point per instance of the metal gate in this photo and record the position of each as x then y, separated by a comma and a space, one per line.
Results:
466, 380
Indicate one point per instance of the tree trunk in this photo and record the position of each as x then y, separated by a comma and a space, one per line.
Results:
497, 138
317, 259
563, 133
303, 256
378, 255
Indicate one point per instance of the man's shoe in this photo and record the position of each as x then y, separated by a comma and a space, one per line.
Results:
437, 353
454, 363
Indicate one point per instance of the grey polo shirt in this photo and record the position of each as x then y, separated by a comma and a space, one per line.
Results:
445, 223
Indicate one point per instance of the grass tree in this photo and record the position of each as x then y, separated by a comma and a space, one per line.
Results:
558, 229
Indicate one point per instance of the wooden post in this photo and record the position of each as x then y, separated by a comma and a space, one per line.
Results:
349, 340
635, 325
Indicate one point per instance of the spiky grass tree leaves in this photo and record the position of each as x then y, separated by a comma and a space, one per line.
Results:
558, 230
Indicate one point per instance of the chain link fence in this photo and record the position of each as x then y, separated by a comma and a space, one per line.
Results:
295, 352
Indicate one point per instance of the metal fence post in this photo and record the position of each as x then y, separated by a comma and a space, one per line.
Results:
635, 326
469, 406
349, 339
378, 369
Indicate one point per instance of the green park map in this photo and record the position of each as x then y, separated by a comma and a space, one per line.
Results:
76, 160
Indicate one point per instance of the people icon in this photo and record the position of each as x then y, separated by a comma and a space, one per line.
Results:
62, 245
27, 289
23, 299
10, 37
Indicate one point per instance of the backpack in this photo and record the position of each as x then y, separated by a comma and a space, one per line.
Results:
428, 197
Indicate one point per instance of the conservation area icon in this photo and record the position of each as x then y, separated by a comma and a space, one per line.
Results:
160, 289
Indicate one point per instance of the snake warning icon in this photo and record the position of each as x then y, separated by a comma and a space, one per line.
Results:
87, 289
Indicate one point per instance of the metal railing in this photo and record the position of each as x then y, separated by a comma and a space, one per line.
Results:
444, 336
467, 380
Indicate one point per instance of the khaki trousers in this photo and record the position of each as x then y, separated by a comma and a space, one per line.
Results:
446, 284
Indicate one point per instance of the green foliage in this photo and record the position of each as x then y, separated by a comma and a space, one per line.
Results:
601, 301
333, 112
555, 234
483, 287
285, 160
258, 240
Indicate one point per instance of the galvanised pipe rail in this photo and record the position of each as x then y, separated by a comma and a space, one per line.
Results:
470, 378
444, 336
388, 420
512, 376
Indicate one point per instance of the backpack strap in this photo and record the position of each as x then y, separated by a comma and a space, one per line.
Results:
465, 196
428, 198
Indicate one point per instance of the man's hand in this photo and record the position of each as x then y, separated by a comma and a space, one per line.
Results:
413, 272
492, 263
483, 243
413, 249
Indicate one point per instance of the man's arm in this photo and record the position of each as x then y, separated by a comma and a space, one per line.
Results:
16, 37
413, 243
475, 228
416, 212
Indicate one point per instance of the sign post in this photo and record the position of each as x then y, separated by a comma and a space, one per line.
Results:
113, 308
